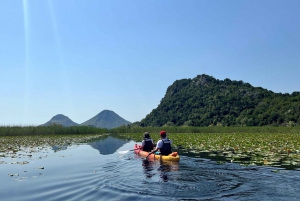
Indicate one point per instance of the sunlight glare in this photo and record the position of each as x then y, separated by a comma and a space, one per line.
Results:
27, 79
63, 72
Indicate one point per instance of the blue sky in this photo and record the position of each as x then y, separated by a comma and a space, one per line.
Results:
77, 57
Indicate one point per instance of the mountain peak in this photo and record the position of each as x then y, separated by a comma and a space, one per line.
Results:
106, 112
106, 119
59, 116
60, 119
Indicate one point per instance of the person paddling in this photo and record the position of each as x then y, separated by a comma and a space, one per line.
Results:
147, 143
163, 146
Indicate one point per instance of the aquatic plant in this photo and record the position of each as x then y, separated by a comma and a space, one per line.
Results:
11, 145
276, 149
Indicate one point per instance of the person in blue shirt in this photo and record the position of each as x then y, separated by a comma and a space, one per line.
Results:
163, 146
147, 143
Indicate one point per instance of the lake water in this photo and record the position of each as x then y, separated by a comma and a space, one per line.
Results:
97, 171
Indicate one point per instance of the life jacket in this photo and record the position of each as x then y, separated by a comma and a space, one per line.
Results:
166, 149
148, 144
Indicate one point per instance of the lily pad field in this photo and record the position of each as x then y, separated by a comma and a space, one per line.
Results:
271, 149
16, 146
267, 146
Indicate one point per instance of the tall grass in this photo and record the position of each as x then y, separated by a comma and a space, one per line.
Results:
212, 129
49, 130
59, 129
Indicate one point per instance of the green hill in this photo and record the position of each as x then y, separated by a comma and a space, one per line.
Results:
205, 101
106, 119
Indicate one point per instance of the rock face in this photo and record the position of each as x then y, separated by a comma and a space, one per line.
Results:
106, 119
60, 119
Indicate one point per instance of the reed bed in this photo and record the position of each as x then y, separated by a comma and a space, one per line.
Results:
49, 130
210, 129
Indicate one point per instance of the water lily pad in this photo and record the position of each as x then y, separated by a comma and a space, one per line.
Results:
11, 175
40, 168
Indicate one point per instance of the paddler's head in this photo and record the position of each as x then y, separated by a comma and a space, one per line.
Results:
163, 134
146, 135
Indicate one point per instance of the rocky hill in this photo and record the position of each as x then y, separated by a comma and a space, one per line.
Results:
206, 101
106, 119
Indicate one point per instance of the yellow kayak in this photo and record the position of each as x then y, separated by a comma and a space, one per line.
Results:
171, 157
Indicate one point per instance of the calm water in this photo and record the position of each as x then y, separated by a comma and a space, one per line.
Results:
97, 171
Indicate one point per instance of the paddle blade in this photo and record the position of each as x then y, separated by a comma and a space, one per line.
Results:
123, 152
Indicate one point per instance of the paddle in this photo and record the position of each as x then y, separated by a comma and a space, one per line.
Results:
148, 156
145, 160
126, 151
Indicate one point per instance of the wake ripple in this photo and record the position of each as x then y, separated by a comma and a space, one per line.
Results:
129, 178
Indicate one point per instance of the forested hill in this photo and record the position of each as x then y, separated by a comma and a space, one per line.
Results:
205, 101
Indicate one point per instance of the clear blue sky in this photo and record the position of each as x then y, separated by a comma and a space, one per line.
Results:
79, 57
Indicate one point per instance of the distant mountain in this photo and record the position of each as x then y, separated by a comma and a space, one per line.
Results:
60, 119
206, 101
106, 119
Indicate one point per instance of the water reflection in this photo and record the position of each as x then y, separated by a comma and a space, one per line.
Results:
167, 167
129, 177
108, 145
105, 145
57, 148
163, 169
148, 168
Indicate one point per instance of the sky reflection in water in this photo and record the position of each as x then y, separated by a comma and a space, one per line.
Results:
79, 172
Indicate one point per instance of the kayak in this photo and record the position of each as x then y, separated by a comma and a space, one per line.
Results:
171, 157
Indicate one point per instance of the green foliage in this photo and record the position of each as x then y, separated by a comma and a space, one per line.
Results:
206, 101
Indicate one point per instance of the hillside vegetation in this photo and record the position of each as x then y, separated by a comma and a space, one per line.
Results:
206, 101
